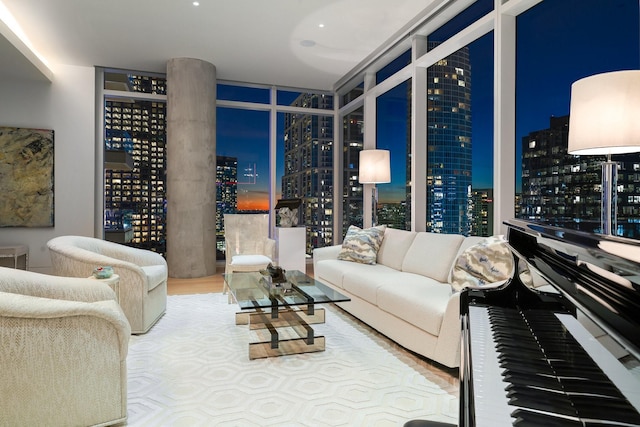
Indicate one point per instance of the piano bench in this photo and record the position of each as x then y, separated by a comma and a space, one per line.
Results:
425, 423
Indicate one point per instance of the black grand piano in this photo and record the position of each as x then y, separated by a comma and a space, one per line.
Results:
559, 344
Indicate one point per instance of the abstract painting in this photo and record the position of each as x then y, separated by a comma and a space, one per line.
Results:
26, 177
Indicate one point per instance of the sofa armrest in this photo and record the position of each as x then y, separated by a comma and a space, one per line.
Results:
328, 252
448, 346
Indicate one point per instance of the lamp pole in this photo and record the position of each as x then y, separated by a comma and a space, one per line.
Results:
609, 202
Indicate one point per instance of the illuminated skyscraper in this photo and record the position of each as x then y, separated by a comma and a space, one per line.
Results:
449, 144
226, 193
135, 197
565, 190
308, 167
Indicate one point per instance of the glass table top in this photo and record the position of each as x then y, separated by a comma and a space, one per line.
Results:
252, 290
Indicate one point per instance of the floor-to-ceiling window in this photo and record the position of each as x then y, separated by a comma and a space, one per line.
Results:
472, 114
242, 163
134, 159
580, 38
393, 121
304, 159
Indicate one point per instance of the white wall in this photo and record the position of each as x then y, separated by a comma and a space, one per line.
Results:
67, 105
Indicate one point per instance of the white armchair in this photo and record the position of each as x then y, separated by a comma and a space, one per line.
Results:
247, 243
64, 351
143, 274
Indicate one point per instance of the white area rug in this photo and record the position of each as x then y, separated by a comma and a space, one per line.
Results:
192, 369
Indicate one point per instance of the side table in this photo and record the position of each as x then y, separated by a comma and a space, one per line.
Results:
113, 282
16, 251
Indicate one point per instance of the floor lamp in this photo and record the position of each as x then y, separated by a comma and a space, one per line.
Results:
605, 120
375, 168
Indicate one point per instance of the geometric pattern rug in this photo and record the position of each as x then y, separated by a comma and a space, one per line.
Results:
192, 369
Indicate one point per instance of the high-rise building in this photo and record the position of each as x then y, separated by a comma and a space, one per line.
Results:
482, 214
308, 167
449, 155
565, 190
135, 198
226, 194
353, 140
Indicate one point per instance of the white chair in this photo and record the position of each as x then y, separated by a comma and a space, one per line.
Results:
63, 358
143, 274
247, 243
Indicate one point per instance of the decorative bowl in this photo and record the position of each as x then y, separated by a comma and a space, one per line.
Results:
102, 272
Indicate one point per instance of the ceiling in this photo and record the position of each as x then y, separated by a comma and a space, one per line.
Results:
277, 42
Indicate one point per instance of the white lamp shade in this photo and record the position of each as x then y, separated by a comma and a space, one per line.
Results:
375, 167
605, 114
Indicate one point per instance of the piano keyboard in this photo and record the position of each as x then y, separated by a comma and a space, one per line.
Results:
530, 368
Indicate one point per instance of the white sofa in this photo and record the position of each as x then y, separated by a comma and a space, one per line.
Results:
143, 274
407, 295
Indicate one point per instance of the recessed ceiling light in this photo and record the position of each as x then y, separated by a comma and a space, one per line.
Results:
307, 43
196, 3
321, 25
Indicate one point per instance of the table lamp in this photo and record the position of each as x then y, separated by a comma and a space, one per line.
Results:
604, 120
375, 168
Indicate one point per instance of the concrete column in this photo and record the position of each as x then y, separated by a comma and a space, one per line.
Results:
191, 168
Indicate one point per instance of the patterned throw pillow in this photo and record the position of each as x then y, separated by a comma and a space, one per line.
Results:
362, 245
487, 264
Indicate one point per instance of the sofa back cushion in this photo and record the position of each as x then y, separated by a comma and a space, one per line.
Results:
362, 245
394, 247
432, 254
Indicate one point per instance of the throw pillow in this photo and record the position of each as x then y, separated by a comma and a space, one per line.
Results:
362, 245
485, 265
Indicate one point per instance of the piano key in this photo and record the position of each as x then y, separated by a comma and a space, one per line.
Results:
524, 418
536, 371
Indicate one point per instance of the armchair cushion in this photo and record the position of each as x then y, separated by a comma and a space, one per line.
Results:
247, 260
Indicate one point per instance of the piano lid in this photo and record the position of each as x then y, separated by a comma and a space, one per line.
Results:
598, 274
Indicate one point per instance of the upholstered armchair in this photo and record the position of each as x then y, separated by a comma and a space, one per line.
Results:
247, 243
143, 274
64, 351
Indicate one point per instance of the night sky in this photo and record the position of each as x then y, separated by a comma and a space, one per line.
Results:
559, 42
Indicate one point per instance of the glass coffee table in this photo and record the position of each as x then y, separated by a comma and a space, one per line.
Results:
279, 315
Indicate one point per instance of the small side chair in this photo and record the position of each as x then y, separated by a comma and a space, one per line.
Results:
247, 243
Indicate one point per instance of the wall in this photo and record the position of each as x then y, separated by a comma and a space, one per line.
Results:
66, 105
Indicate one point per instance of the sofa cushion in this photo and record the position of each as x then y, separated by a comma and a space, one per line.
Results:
416, 299
394, 247
362, 245
486, 264
364, 282
331, 271
432, 254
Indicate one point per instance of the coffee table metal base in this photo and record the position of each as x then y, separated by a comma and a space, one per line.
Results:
282, 332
